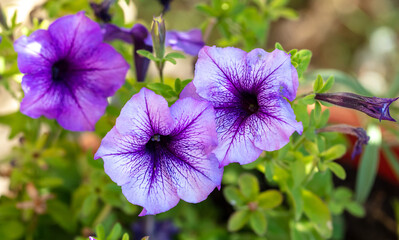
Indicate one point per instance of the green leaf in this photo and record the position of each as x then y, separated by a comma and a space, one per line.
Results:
318, 84
234, 196
202, 7
392, 160
175, 55
178, 87
327, 85
61, 214
317, 109
317, 211
111, 194
100, 231
50, 182
311, 148
325, 115
269, 170
342, 78
249, 185
125, 236
278, 46
172, 60
258, 222
148, 55
159, 87
238, 220
337, 169
116, 232
309, 99
303, 59
355, 209
11, 229
334, 152
269, 199
368, 166
296, 197
342, 194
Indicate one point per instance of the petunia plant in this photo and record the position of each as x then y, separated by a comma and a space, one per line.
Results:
243, 148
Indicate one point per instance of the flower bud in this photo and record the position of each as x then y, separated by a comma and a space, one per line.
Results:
158, 36
373, 106
360, 133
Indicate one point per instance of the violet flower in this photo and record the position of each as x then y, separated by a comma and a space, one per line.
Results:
248, 92
160, 155
136, 36
373, 106
101, 11
360, 133
189, 42
165, 4
69, 72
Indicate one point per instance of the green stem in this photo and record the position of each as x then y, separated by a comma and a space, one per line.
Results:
160, 66
299, 142
311, 173
102, 215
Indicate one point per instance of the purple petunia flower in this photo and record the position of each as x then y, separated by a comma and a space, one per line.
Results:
360, 133
136, 36
373, 106
160, 155
69, 72
248, 92
101, 10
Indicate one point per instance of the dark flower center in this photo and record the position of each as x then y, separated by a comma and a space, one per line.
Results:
157, 142
249, 102
59, 70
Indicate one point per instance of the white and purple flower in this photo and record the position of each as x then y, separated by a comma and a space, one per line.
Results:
248, 92
160, 155
69, 72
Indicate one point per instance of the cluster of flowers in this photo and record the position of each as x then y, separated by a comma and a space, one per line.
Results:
235, 107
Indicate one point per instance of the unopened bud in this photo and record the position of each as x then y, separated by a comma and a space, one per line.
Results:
158, 36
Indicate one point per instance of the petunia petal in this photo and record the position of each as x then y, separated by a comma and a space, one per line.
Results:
194, 170
190, 91
273, 70
36, 53
144, 115
221, 79
42, 96
235, 134
97, 69
189, 42
75, 36
81, 108
274, 128
122, 154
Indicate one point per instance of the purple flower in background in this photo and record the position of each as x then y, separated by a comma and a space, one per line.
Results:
165, 4
360, 133
135, 36
92, 238
101, 11
69, 72
373, 106
248, 92
189, 42
160, 155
